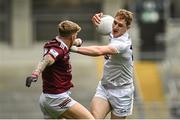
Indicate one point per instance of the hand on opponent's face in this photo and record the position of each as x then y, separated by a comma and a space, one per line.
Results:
78, 42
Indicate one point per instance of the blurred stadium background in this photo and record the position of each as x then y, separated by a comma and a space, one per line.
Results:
26, 24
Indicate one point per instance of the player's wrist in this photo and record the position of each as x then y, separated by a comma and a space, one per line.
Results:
35, 73
74, 48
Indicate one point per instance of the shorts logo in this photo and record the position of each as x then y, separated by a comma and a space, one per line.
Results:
64, 103
122, 111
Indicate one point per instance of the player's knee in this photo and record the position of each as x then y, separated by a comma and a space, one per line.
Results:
95, 114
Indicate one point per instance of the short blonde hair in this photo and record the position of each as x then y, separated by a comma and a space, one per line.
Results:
126, 15
67, 28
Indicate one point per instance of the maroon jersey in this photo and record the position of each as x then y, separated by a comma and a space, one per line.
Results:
57, 77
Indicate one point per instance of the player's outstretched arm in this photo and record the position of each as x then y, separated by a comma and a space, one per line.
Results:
47, 60
94, 50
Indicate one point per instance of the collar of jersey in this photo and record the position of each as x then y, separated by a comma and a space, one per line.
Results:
59, 40
122, 37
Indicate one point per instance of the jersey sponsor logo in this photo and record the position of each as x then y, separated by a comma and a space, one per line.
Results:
53, 53
64, 103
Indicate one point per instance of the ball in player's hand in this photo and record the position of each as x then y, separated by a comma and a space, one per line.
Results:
105, 26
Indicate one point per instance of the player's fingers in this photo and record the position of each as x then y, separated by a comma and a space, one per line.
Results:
100, 14
96, 19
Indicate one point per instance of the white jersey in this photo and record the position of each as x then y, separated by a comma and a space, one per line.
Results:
118, 68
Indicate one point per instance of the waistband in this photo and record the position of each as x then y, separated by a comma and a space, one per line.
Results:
110, 86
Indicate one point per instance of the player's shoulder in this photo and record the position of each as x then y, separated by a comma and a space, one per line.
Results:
54, 43
51, 43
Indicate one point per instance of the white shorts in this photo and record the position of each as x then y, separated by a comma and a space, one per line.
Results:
120, 99
53, 105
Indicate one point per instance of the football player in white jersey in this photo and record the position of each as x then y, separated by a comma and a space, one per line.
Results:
115, 91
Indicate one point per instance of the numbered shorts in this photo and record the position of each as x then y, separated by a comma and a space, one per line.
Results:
53, 106
120, 99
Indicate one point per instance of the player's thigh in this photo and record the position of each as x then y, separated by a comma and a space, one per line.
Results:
99, 107
43, 109
121, 101
77, 111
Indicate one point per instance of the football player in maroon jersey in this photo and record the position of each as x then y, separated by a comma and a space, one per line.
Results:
55, 100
